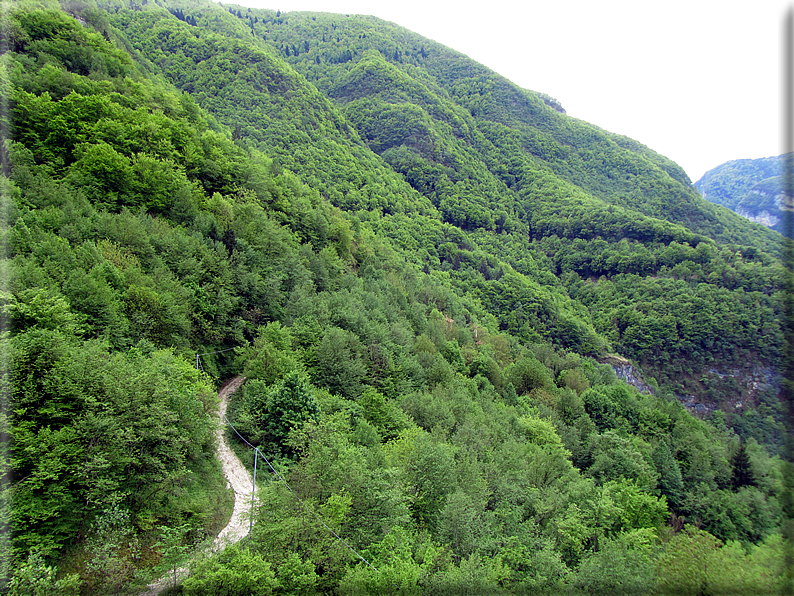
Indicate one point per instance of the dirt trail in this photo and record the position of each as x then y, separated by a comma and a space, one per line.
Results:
237, 478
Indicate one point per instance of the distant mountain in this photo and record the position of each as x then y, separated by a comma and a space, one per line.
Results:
753, 188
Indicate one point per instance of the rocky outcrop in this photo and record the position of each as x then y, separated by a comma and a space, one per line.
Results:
750, 381
753, 188
754, 378
770, 220
691, 403
626, 371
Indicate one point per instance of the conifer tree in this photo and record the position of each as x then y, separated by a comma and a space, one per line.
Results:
742, 473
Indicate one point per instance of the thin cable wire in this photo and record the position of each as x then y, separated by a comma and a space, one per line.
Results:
218, 351
198, 356
294, 494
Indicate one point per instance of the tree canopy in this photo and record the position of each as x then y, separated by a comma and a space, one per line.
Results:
431, 279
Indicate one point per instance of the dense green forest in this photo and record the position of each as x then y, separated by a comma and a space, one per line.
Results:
429, 277
753, 188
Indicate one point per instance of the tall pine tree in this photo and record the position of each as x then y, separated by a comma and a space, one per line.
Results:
742, 474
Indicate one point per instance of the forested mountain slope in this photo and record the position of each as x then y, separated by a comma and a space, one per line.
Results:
753, 188
405, 90
499, 164
424, 273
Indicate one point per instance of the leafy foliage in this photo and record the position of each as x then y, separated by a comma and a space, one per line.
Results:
422, 269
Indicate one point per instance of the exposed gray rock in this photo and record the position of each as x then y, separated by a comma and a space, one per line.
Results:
626, 371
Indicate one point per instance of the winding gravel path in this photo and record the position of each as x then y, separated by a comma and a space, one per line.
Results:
237, 478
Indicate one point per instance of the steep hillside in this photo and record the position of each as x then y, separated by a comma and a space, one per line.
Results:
562, 202
468, 103
429, 277
753, 188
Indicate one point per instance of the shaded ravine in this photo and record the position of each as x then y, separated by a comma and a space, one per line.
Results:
237, 478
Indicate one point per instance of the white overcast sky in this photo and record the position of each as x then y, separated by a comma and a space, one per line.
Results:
699, 81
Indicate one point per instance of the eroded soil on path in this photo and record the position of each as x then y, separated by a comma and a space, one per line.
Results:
237, 478
236, 475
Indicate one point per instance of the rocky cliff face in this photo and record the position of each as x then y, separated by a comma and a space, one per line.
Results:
745, 384
770, 220
753, 188
626, 371
764, 207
